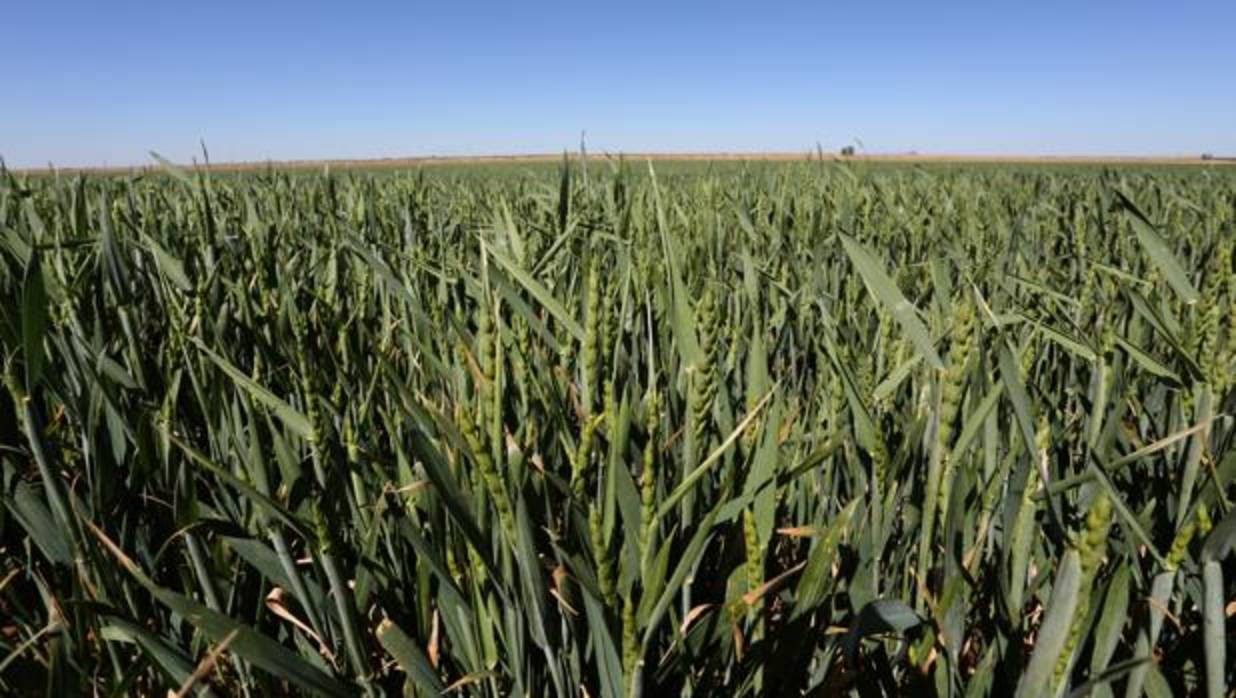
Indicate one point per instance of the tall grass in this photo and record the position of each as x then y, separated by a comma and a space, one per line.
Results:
813, 428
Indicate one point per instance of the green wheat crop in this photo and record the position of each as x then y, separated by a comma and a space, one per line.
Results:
812, 428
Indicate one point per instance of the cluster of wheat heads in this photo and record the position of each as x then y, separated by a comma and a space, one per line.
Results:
812, 428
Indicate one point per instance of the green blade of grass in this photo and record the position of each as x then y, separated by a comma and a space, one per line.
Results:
880, 285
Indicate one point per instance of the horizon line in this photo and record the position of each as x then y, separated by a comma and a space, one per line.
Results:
654, 155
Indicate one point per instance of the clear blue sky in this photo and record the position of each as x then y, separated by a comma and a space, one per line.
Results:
105, 82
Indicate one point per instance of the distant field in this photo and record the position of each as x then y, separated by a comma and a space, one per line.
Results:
549, 159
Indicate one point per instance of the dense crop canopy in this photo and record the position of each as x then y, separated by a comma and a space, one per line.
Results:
808, 428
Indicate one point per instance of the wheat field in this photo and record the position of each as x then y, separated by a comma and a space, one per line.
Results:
610, 428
